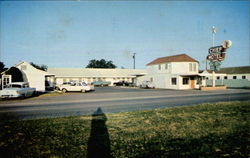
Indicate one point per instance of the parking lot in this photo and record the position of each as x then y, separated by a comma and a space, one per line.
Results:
105, 93
113, 99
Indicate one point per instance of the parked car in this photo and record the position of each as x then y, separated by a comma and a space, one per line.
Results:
17, 90
57, 87
122, 83
92, 88
101, 83
76, 87
147, 84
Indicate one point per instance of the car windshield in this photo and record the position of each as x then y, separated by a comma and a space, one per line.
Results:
84, 84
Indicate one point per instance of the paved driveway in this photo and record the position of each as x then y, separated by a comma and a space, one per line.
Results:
113, 99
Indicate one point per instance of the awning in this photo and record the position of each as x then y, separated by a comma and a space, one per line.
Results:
210, 74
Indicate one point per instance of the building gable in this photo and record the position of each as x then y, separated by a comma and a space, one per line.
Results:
174, 58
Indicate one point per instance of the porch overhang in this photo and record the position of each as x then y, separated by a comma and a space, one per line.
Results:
189, 75
210, 74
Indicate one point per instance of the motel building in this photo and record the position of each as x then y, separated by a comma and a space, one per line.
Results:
233, 77
171, 72
89, 75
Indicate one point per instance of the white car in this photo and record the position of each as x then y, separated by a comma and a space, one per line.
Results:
17, 90
147, 84
76, 87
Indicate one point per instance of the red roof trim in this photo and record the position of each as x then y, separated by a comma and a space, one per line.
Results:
174, 58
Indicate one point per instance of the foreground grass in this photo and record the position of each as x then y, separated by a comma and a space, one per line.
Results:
206, 130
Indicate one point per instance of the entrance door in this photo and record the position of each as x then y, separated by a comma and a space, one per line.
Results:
192, 82
6, 79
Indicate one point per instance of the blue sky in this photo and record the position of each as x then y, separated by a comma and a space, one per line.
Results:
70, 33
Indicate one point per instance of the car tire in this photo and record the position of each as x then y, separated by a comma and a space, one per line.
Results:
33, 94
64, 90
23, 96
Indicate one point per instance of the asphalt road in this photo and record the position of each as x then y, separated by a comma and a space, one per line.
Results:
112, 99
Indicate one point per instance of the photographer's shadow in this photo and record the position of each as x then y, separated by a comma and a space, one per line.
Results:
99, 143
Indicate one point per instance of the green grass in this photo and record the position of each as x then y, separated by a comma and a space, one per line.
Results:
206, 130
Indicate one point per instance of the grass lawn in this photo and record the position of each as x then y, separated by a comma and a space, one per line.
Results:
205, 130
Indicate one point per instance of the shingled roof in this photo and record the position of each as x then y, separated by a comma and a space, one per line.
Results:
235, 70
174, 58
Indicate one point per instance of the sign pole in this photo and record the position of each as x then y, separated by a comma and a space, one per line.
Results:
213, 34
213, 73
213, 78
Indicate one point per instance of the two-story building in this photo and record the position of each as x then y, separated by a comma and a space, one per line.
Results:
172, 72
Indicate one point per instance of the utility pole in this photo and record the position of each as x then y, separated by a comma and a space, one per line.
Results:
134, 59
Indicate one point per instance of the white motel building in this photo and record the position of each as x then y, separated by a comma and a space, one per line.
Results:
171, 72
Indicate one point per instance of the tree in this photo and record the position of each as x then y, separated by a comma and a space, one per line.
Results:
16, 74
40, 67
2, 67
101, 64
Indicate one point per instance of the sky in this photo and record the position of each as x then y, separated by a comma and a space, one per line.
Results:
71, 33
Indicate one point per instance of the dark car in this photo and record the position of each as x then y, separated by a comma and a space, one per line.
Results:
122, 83
101, 83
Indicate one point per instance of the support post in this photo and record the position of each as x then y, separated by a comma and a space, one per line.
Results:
213, 79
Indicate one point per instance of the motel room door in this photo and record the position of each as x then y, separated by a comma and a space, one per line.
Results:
192, 86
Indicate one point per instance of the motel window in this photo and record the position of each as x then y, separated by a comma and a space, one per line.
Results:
166, 66
198, 81
173, 81
190, 67
185, 81
218, 77
159, 66
243, 77
234, 77
225, 77
194, 67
